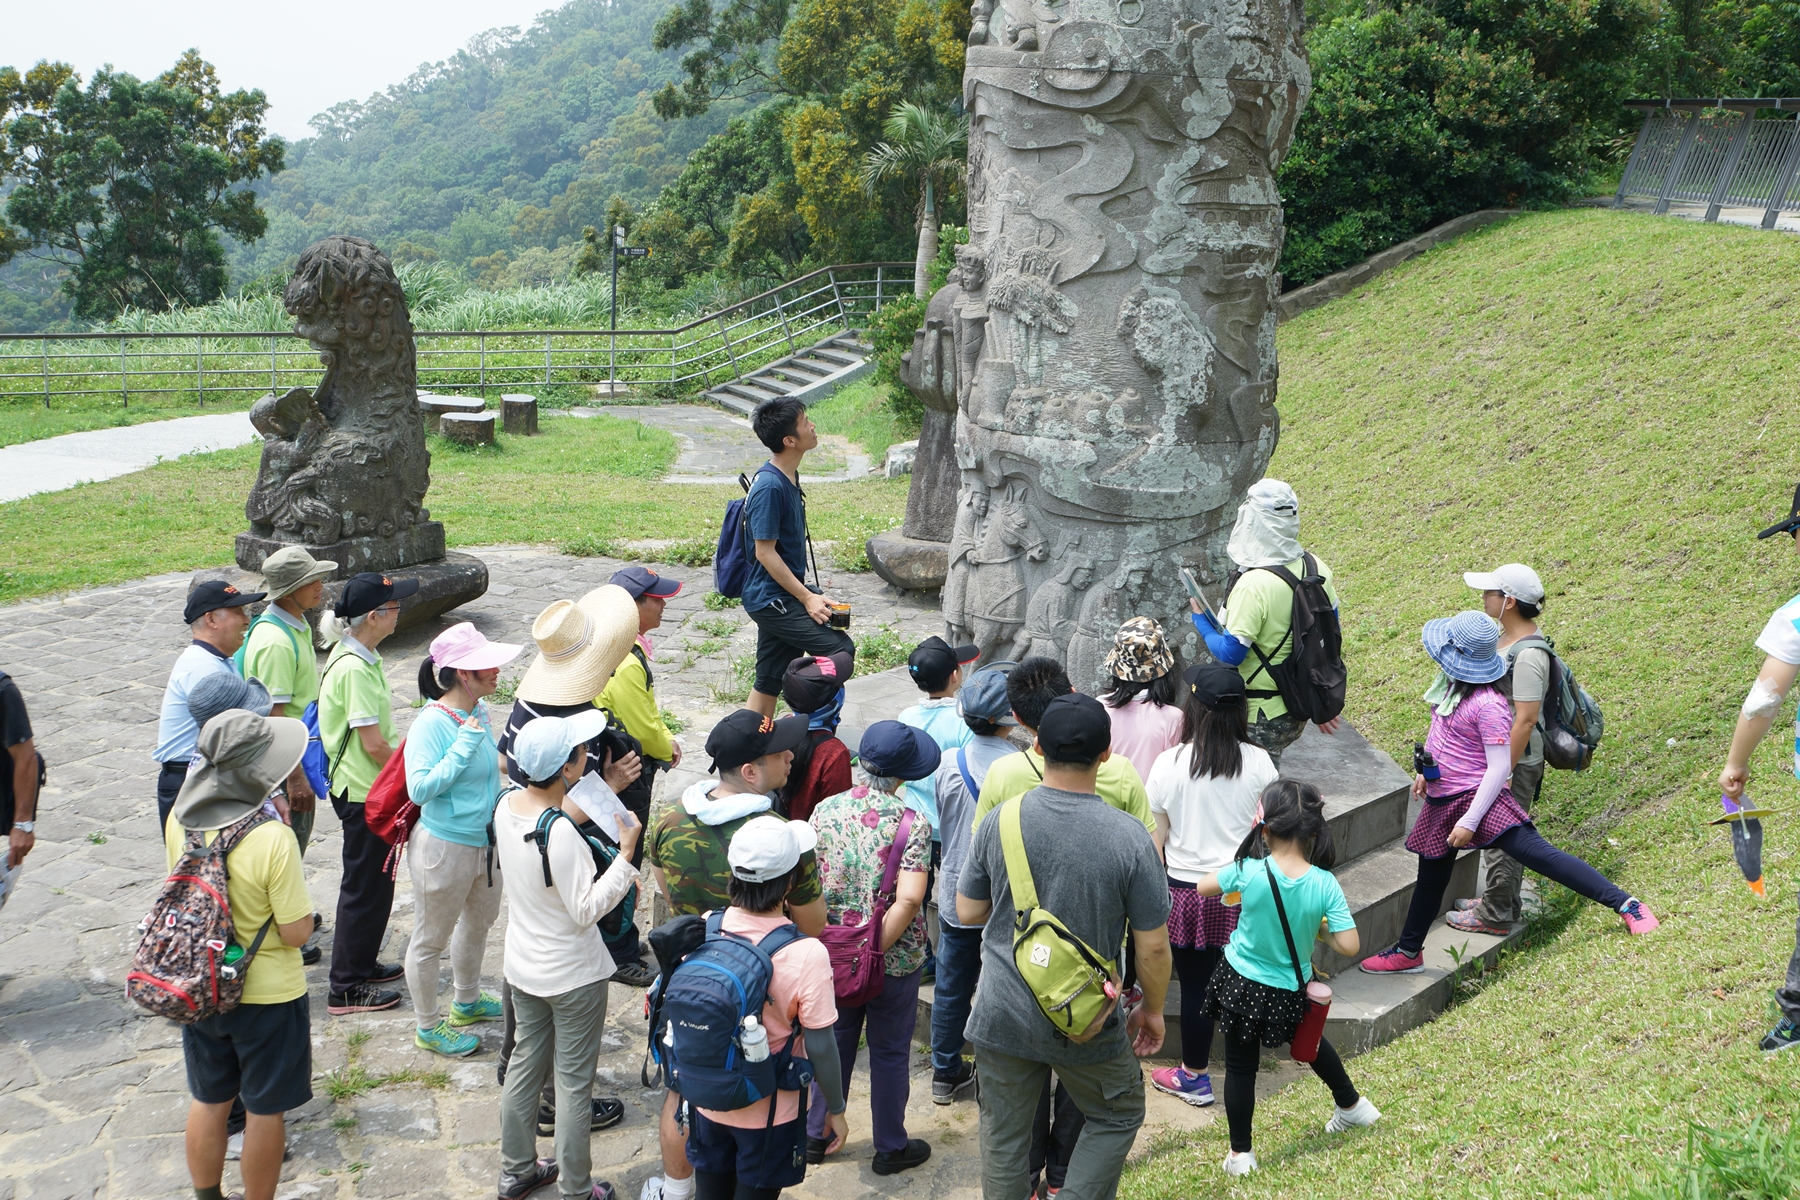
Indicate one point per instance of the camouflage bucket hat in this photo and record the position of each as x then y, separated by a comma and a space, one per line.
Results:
1139, 652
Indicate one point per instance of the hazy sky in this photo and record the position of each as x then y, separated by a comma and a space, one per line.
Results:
306, 56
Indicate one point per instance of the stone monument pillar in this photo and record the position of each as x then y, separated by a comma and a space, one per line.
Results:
1115, 314
344, 466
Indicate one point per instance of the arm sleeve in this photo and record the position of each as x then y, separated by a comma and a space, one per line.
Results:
1337, 910
15, 723
1147, 899
761, 511
431, 766
828, 1072
363, 695
809, 888
289, 900
974, 881
585, 898
629, 699
1227, 648
1531, 675
1499, 766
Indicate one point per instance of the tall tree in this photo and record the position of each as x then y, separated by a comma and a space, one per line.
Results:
131, 182
922, 147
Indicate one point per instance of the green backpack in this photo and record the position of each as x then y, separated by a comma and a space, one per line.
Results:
1074, 985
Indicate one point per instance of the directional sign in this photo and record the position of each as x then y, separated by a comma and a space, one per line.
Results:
634, 251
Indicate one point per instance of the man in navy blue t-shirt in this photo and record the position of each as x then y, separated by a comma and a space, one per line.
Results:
791, 618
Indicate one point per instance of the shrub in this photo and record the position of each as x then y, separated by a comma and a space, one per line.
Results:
891, 333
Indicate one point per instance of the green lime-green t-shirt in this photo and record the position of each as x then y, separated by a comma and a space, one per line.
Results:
353, 693
282, 658
1261, 609
1118, 784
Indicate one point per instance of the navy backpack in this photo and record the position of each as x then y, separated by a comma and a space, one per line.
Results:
731, 560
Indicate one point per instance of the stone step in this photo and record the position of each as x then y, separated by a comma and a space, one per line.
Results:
807, 375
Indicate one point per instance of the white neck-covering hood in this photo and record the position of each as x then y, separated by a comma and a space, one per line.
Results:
1267, 533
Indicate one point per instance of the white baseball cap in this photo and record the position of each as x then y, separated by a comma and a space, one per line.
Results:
768, 847
1514, 579
542, 745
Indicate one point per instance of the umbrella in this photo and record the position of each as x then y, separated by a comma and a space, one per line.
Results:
1746, 839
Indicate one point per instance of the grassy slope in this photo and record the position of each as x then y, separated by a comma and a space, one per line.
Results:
1608, 397
593, 478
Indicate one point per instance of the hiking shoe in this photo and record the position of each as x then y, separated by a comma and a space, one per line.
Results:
892, 1162
1388, 962
1784, 1036
945, 1084
1239, 1164
603, 1191
485, 1008
1468, 922
310, 955
364, 997
815, 1150
635, 974
386, 973
1191, 1087
608, 1111
1638, 917
1357, 1115
517, 1187
442, 1039
1467, 904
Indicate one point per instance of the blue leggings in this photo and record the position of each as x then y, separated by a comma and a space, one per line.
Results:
1527, 845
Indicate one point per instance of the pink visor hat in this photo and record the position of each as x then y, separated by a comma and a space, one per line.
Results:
463, 647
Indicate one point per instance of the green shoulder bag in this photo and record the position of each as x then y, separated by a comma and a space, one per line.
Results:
1075, 986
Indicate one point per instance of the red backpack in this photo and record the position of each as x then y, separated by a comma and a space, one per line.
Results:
180, 970
389, 812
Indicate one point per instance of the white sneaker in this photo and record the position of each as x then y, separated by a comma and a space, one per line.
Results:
1239, 1164
653, 1188
1359, 1114
234, 1148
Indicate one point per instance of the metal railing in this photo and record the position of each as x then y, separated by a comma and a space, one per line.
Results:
1717, 152
716, 347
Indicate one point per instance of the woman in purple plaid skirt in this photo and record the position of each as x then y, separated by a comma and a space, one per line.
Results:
1205, 795
1469, 804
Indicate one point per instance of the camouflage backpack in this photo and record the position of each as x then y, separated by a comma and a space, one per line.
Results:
184, 968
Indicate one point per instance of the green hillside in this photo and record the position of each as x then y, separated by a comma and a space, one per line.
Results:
1610, 398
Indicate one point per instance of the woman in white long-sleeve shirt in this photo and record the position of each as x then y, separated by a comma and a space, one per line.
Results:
556, 963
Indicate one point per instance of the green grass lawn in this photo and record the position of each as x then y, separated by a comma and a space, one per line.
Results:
32, 422
860, 412
1608, 397
592, 479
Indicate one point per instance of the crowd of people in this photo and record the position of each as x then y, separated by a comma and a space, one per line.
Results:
1141, 835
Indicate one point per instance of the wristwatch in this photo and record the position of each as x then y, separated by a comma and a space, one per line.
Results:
25, 826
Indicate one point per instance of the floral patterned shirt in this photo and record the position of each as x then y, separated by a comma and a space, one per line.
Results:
855, 830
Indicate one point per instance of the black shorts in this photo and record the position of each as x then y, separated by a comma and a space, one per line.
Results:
262, 1052
783, 633
762, 1157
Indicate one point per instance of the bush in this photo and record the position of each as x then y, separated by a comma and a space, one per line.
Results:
891, 333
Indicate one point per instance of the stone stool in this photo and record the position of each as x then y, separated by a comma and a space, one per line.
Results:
434, 408
520, 414
469, 429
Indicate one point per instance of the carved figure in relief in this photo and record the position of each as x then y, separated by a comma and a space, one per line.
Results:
1050, 617
971, 525
1105, 607
996, 598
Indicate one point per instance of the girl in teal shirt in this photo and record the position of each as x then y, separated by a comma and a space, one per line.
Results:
1252, 995
453, 775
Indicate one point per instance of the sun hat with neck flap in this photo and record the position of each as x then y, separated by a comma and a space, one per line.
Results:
242, 758
1466, 646
580, 644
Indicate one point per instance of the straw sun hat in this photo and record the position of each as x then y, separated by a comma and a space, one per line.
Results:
580, 644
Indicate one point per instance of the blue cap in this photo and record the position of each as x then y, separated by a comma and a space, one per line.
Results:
642, 581
984, 698
899, 751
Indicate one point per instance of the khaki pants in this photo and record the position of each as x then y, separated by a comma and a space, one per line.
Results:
558, 1036
1109, 1094
454, 906
1501, 874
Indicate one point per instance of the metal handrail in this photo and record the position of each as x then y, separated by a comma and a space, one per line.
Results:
1682, 155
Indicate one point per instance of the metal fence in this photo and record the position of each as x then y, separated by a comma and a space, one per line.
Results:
716, 347
1717, 152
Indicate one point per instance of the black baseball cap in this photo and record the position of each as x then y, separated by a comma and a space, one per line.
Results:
933, 661
812, 680
1789, 524
367, 591
745, 736
1215, 686
1075, 728
642, 581
216, 594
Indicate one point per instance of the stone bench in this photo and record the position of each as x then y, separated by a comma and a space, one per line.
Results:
469, 429
434, 407
519, 414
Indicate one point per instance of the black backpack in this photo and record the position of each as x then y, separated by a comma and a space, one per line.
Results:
1570, 719
1311, 680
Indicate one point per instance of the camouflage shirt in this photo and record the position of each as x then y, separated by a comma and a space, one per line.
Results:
692, 858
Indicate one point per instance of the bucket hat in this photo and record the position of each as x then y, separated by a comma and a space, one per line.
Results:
465, 648
580, 643
1466, 646
242, 758
224, 690
1140, 652
291, 568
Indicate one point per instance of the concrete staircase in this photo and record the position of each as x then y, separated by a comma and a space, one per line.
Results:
809, 375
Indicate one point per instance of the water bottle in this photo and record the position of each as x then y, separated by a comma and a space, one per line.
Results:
754, 1040
1424, 764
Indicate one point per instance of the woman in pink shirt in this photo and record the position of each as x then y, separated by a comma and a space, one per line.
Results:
1145, 697
1469, 804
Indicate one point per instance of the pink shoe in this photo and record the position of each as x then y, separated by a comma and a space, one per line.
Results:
1638, 917
1393, 962
1468, 922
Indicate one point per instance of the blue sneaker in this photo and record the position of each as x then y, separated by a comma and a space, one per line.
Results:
1784, 1036
485, 1008
1184, 1085
441, 1039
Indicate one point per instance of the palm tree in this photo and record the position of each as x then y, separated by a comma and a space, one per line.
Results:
927, 146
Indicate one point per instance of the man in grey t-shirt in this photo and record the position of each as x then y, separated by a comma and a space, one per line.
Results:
1096, 869
1512, 595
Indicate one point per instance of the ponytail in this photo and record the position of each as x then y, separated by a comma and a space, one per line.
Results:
433, 684
1293, 812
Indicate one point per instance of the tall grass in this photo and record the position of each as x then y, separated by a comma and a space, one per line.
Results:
1757, 1162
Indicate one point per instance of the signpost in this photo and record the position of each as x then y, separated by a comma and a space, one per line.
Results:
618, 247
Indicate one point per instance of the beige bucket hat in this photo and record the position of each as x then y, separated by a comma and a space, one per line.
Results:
242, 758
291, 568
580, 644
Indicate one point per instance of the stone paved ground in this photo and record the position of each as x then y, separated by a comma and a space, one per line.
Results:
92, 1092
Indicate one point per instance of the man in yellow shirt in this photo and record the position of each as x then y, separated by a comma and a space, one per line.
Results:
1030, 687
262, 1049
